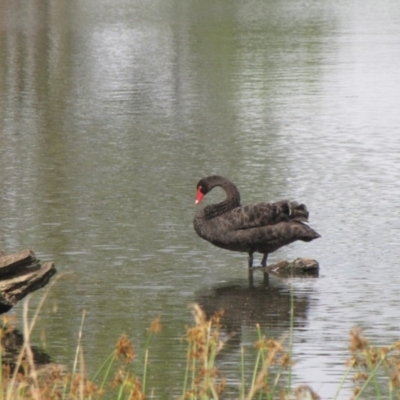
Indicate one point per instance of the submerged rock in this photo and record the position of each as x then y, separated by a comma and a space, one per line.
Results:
300, 267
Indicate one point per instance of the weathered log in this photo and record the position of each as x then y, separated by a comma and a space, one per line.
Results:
21, 274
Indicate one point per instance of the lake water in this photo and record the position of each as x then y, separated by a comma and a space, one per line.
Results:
111, 111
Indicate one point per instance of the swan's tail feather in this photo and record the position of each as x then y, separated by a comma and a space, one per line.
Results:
295, 211
299, 213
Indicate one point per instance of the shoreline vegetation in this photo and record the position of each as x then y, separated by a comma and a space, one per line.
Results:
373, 371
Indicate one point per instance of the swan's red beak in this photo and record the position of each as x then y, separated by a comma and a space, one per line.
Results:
199, 196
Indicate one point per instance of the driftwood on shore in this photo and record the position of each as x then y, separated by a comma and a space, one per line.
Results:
21, 274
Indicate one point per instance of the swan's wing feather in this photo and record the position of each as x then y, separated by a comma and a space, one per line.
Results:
258, 215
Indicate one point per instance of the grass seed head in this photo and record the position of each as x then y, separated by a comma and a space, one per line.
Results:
360, 376
135, 389
396, 346
90, 389
124, 349
8, 324
304, 392
198, 315
216, 319
155, 326
357, 341
395, 379
285, 361
356, 391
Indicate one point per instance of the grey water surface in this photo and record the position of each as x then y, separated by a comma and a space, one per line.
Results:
111, 111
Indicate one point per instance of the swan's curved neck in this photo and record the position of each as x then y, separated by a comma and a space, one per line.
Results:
231, 201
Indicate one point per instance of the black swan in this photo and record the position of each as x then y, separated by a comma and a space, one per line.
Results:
261, 227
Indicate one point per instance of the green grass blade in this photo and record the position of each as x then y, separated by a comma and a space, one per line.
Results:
186, 371
291, 336
371, 376
242, 385
110, 359
110, 364
145, 371
343, 380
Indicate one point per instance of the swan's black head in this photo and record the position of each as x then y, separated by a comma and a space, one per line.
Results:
202, 189
207, 184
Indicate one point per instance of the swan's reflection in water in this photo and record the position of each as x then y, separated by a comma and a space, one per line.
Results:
268, 304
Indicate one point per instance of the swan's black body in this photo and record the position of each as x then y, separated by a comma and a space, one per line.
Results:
257, 227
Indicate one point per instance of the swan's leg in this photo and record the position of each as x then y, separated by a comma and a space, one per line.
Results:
251, 280
250, 269
263, 265
264, 260
266, 279
250, 260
